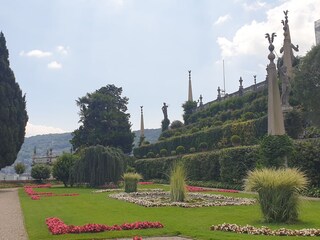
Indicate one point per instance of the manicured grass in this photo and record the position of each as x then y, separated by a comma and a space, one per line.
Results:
91, 207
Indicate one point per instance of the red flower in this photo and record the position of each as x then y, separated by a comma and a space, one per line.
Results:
56, 226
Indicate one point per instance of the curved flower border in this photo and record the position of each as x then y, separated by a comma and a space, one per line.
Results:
148, 199
248, 229
56, 226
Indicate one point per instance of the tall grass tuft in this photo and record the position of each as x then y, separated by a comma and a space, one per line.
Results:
131, 181
178, 184
278, 192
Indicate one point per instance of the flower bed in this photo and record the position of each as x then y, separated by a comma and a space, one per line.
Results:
248, 229
201, 189
57, 226
145, 183
36, 195
162, 198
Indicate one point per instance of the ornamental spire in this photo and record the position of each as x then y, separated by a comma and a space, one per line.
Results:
190, 98
141, 124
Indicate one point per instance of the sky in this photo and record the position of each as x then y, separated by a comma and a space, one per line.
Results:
61, 50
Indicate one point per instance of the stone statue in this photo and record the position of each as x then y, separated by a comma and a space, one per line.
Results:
165, 111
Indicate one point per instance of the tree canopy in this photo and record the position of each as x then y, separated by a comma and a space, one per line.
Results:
13, 114
104, 120
306, 84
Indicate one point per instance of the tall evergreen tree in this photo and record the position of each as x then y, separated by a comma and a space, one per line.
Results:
13, 114
104, 120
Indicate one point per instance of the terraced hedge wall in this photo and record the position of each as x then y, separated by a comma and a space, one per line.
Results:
230, 165
217, 137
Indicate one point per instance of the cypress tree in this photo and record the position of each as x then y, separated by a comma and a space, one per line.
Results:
13, 114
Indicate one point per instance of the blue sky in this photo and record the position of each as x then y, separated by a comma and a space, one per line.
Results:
60, 50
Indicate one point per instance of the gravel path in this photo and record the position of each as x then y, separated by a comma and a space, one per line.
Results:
11, 220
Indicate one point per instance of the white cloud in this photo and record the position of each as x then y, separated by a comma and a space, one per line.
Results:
253, 6
36, 53
33, 130
62, 50
222, 19
54, 65
250, 40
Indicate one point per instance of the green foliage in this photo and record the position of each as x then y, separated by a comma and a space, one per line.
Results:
278, 192
40, 172
156, 168
104, 120
19, 168
173, 153
248, 116
235, 140
274, 149
180, 150
150, 155
63, 166
98, 165
249, 132
176, 124
307, 158
306, 84
178, 184
294, 123
202, 166
165, 124
203, 146
189, 107
13, 114
192, 150
131, 182
163, 152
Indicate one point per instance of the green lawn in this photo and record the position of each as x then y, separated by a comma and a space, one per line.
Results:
91, 207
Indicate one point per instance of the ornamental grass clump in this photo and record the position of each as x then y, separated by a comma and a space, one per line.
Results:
178, 184
131, 182
278, 192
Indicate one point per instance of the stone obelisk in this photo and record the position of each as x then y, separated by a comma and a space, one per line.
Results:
286, 63
141, 124
190, 98
275, 116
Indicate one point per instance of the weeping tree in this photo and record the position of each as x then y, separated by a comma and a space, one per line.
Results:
13, 114
98, 165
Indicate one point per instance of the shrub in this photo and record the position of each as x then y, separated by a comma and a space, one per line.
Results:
178, 184
192, 150
150, 155
19, 168
40, 172
274, 149
130, 169
180, 150
278, 192
163, 152
176, 124
62, 167
235, 140
203, 146
248, 116
173, 153
131, 182
98, 165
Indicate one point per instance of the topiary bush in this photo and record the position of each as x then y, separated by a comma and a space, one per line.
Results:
63, 166
163, 152
180, 150
278, 192
203, 146
192, 150
131, 182
274, 149
235, 140
150, 155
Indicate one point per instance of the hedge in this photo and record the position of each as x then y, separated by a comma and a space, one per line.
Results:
230, 165
219, 136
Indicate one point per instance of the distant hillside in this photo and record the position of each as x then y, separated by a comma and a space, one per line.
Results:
60, 142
